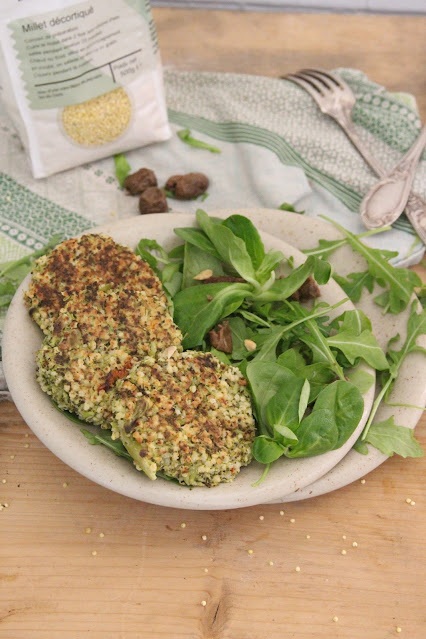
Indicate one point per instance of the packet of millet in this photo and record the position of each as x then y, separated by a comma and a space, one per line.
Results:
81, 81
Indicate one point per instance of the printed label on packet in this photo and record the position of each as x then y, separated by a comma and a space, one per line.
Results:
69, 56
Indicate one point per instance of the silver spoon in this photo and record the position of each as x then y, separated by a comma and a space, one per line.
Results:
385, 202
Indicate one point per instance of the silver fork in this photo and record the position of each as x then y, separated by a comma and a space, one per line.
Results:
335, 98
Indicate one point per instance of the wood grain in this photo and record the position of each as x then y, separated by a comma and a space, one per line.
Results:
148, 578
389, 49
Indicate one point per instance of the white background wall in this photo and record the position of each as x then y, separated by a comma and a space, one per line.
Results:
369, 6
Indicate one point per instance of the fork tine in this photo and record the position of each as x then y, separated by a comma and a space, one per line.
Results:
329, 80
306, 83
316, 83
326, 75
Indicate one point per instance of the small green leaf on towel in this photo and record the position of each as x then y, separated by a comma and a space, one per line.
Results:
122, 167
185, 136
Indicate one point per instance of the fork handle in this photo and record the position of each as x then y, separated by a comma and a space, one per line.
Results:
415, 209
363, 149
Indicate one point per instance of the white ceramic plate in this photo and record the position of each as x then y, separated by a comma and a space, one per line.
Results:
410, 387
22, 339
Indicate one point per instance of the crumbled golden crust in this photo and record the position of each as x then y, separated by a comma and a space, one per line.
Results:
197, 424
94, 344
84, 264
136, 321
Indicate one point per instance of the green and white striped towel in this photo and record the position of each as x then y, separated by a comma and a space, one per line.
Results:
276, 146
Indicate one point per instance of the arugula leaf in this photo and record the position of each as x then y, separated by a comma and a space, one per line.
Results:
252, 317
122, 168
354, 284
326, 247
68, 415
185, 136
283, 288
355, 321
268, 349
104, 437
400, 283
269, 346
390, 439
363, 345
319, 346
416, 326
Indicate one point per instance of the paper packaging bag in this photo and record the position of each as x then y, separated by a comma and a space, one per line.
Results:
81, 81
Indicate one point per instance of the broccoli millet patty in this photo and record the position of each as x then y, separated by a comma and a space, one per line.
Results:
79, 264
94, 344
196, 423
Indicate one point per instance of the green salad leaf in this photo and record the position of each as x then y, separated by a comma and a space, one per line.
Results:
416, 326
197, 309
104, 438
363, 345
244, 228
13, 272
334, 416
285, 206
391, 439
231, 248
195, 261
399, 283
197, 238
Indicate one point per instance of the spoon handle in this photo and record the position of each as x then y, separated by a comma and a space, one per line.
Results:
387, 199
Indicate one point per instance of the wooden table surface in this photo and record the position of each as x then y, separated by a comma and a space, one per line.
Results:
79, 561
